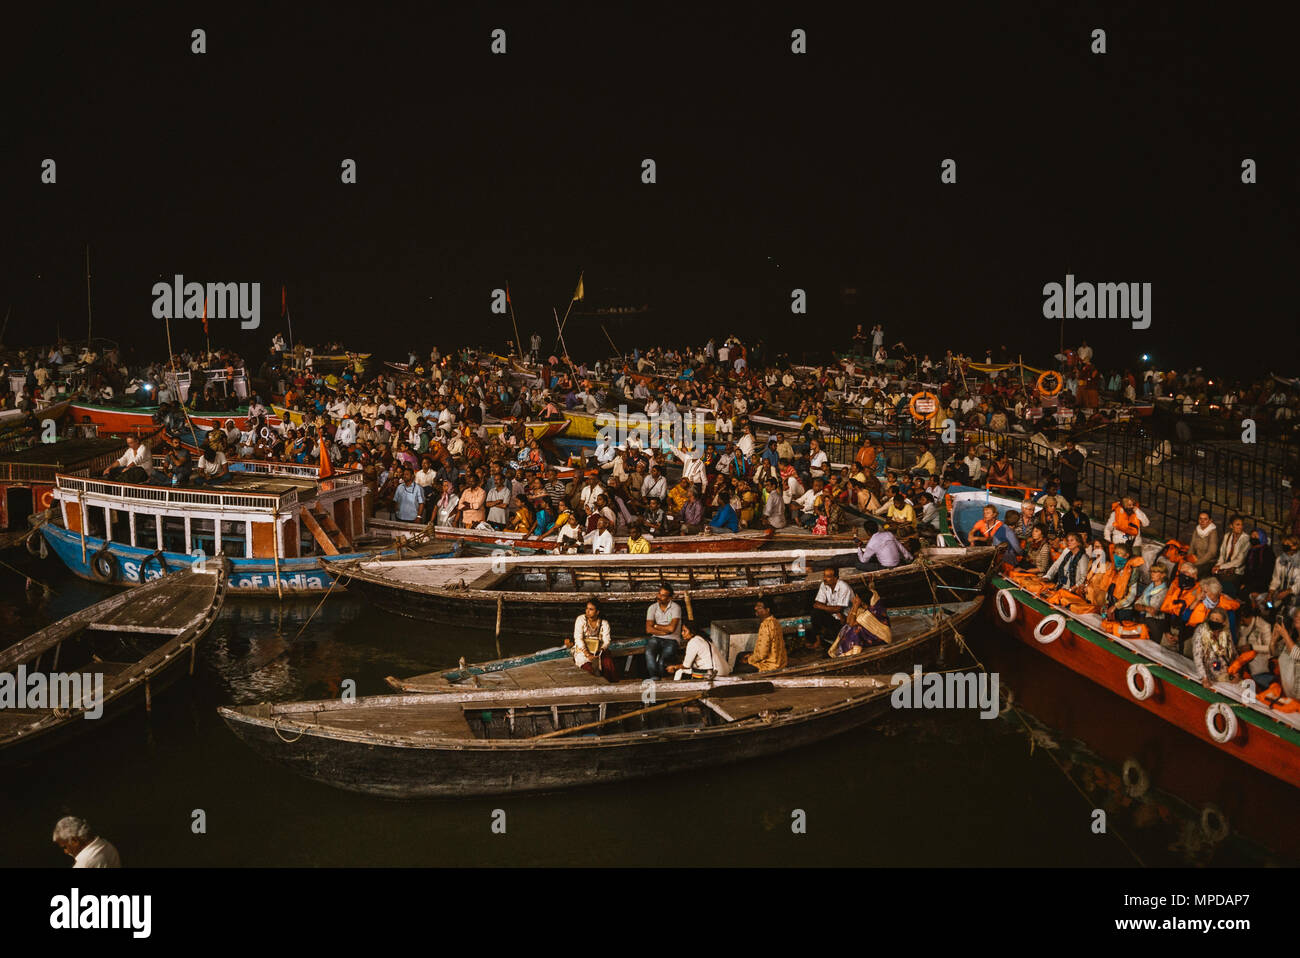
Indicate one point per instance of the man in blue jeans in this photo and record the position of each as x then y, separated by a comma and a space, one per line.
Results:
663, 628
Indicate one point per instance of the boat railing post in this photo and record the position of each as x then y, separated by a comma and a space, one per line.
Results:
275, 547
81, 505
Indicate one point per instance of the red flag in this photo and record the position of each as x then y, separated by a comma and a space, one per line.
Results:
205, 317
283, 301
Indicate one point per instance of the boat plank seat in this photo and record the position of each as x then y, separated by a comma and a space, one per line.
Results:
433, 722
169, 612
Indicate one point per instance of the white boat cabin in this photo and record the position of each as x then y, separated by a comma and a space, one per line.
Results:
261, 510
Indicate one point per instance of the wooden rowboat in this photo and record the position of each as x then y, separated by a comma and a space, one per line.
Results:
744, 541
920, 634
542, 595
491, 742
138, 642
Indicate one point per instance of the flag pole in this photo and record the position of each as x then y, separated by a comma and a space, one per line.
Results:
519, 346
88, 315
567, 311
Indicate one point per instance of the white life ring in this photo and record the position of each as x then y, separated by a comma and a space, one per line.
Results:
1055, 626
1006, 605
1135, 671
1135, 778
1214, 824
1229, 730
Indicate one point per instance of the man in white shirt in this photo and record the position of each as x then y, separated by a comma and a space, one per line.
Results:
692, 467
211, 468
655, 485
134, 465
77, 839
818, 461
600, 539
830, 607
590, 492
605, 453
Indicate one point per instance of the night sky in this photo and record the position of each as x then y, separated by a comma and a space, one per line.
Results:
775, 171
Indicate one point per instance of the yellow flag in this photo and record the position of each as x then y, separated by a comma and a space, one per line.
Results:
577, 293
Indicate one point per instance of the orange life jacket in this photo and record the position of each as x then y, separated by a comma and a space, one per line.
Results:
1177, 598
1126, 630
1112, 585
984, 529
1199, 611
1124, 523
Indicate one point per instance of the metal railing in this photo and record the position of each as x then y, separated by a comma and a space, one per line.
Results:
173, 496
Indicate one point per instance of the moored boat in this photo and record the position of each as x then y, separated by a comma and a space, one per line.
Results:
489, 742
135, 642
919, 637
742, 541
279, 525
541, 595
1156, 678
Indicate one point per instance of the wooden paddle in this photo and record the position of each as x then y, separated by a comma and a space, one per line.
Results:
619, 718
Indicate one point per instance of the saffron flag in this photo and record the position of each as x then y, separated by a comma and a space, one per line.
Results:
577, 293
283, 301
507, 294
205, 317
326, 467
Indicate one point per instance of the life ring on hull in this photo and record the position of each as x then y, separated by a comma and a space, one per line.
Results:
929, 399
103, 566
1056, 378
46, 499
1055, 626
1006, 605
162, 563
1229, 731
1214, 824
1135, 778
1139, 671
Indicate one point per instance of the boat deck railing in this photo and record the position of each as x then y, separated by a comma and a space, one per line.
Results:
105, 492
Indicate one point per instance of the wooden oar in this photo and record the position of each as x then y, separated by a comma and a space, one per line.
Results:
619, 718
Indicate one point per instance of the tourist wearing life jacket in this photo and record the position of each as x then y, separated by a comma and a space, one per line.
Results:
982, 533
1126, 523
1116, 588
1212, 597
1070, 570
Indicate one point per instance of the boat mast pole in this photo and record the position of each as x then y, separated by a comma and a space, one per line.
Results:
88, 315
171, 358
519, 346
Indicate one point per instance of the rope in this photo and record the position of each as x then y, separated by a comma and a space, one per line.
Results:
333, 583
26, 576
275, 727
1011, 706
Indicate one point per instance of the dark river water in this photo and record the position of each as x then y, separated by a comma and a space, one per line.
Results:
918, 789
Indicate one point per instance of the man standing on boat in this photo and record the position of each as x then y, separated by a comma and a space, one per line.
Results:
135, 465
408, 497
663, 627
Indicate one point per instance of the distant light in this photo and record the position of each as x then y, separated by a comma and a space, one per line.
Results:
1146, 358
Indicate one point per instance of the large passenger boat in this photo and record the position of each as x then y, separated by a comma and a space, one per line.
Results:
281, 526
